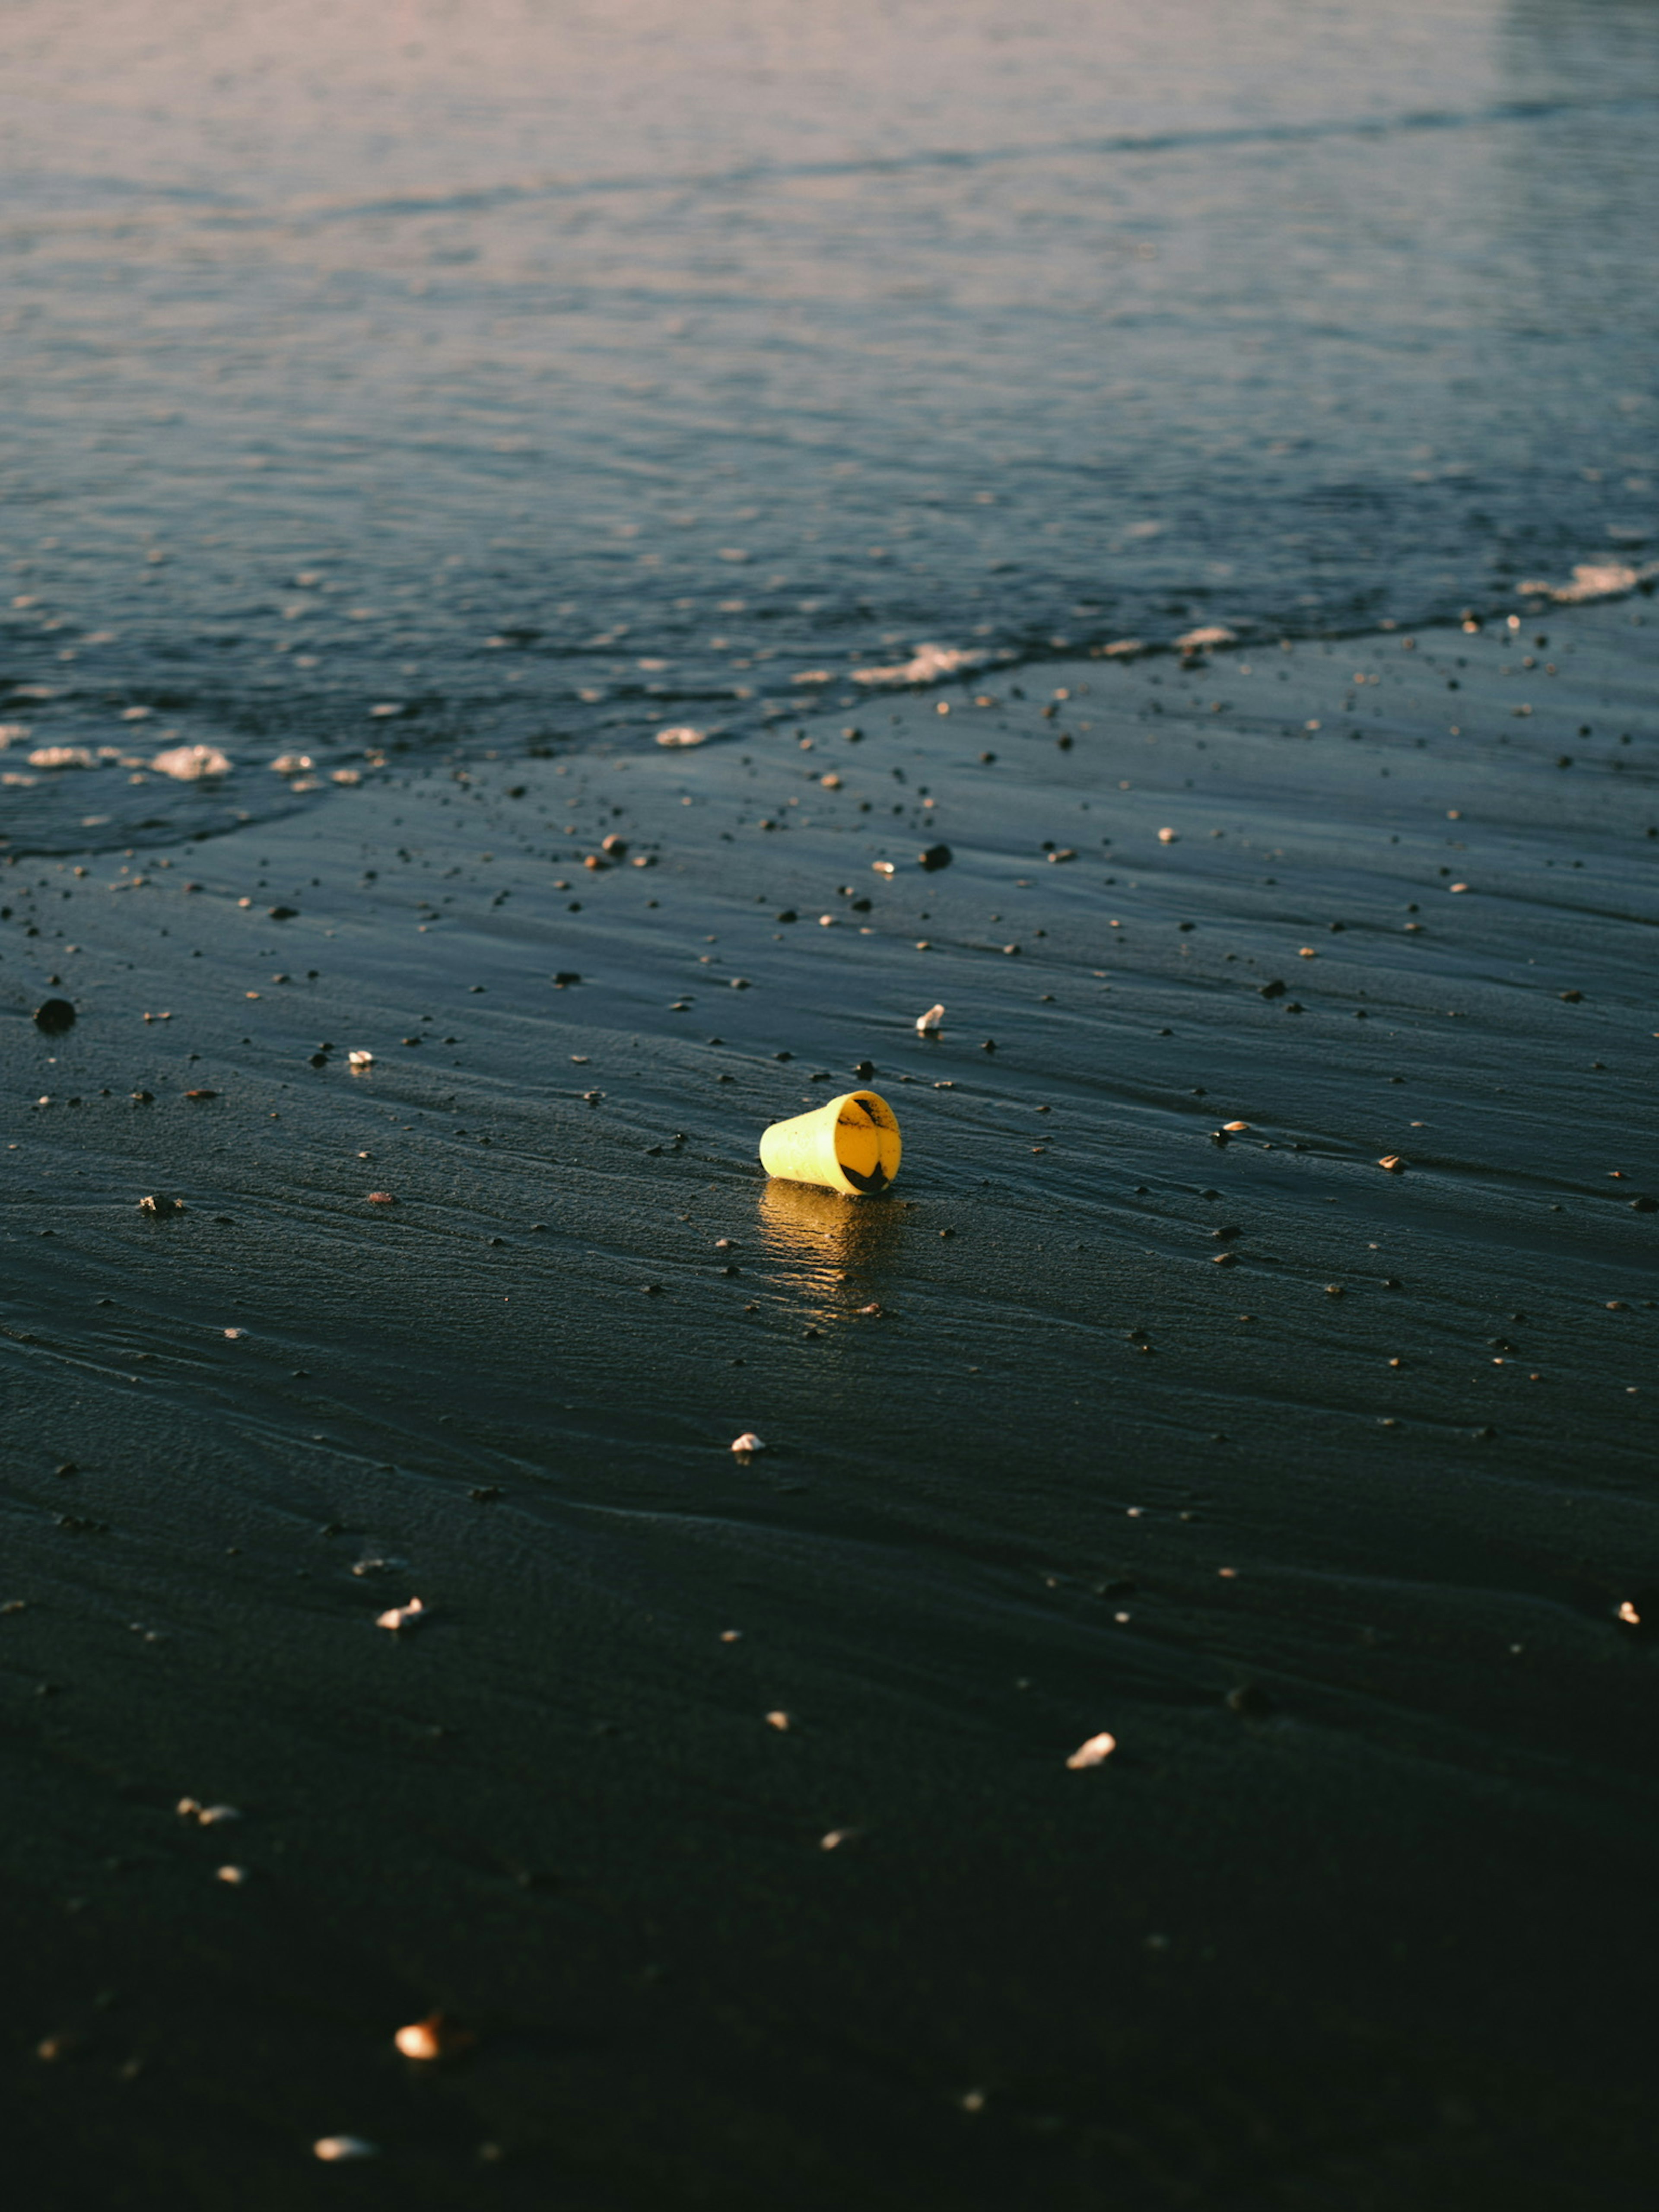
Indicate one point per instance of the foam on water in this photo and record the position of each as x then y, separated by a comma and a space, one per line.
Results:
380, 379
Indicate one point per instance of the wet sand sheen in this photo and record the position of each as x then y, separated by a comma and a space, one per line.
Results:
1300, 1529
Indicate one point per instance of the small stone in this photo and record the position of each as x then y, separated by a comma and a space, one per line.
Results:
1250, 1699
54, 1016
747, 1443
159, 1207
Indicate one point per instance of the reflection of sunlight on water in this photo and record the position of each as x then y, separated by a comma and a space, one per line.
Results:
836, 1253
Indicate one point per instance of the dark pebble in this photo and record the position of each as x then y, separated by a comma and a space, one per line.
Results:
54, 1016
1250, 1699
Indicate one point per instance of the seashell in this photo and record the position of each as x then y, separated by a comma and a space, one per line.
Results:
748, 1442
1094, 1752
1168, 836
190, 763
360, 1058
683, 734
931, 1023
399, 1617
1628, 1615
234, 1333
781, 1720
1235, 1128
1393, 1162
331, 2150
234, 1875
433, 2038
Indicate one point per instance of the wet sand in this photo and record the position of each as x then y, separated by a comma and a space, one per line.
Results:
1333, 1538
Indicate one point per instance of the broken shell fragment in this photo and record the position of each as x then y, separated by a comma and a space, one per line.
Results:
205, 1816
931, 1023
381, 1198
1094, 1752
748, 1442
360, 1058
1235, 1128
1393, 1162
333, 2149
780, 1720
435, 2037
399, 1617
1168, 836
683, 734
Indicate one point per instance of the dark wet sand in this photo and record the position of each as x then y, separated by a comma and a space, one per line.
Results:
1381, 1938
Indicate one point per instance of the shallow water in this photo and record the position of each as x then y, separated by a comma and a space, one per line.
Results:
532, 370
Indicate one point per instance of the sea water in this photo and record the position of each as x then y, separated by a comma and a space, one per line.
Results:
529, 373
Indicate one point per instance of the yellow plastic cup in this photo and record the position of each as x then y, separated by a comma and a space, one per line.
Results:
851, 1145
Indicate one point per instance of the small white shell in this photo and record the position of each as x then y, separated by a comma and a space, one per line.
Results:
332, 2148
1094, 1752
402, 1616
419, 2039
1168, 836
748, 1442
931, 1023
360, 1058
683, 734
234, 1875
